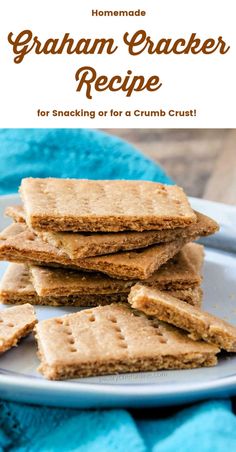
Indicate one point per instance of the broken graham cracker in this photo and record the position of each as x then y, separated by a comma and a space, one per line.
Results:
19, 244
17, 288
15, 323
52, 204
77, 245
172, 310
115, 339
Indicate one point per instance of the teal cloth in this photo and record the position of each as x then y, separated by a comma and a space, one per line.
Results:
80, 153
206, 426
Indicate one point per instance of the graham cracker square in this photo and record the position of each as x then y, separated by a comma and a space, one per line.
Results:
115, 339
110, 206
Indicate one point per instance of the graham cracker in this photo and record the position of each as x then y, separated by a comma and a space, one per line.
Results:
54, 281
115, 339
77, 245
19, 244
17, 288
15, 323
16, 212
174, 311
182, 271
192, 296
52, 204
58, 282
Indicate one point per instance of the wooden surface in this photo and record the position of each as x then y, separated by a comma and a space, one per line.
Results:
203, 161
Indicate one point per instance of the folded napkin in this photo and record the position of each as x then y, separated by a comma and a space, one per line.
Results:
206, 426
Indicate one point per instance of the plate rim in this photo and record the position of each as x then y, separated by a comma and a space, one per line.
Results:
115, 389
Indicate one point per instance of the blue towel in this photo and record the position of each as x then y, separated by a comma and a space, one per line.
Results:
206, 426
80, 153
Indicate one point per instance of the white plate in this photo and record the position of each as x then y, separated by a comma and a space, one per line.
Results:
20, 381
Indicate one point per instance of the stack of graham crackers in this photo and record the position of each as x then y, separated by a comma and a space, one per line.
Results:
86, 243
111, 233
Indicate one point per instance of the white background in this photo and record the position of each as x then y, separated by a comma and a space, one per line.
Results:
202, 82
